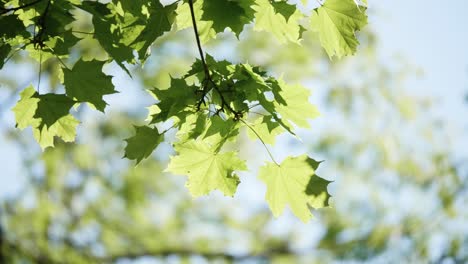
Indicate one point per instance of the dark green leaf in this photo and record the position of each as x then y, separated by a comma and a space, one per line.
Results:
87, 83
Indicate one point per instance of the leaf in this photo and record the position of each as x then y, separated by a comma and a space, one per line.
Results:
175, 101
15, 27
58, 17
60, 45
87, 83
218, 131
194, 126
296, 107
287, 184
206, 169
266, 129
25, 109
267, 19
184, 20
160, 21
143, 143
107, 32
336, 22
52, 107
228, 14
284, 8
28, 113
64, 128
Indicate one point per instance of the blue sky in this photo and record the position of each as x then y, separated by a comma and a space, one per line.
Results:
429, 34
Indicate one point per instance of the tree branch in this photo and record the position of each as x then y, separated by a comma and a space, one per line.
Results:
224, 103
197, 37
38, 41
267, 255
7, 10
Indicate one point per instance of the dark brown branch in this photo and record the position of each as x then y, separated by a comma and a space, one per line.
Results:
38, 39
7, 10
267, 255
224, 103
197, 37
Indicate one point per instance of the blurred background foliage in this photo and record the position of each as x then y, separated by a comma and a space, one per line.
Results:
399, 191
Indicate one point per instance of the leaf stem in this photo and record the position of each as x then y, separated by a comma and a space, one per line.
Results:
261, 140
39, 73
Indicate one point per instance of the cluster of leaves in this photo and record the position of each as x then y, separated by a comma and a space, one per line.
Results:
209, 106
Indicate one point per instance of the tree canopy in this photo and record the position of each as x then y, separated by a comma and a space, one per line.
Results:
210, 106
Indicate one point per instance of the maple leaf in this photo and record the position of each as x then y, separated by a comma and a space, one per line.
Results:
291, 183
184, 20
52, 107
240, 13
296, 107
337, 22
46, 123
174, 101
266, 129
87, 83
284, 8
64, 128
268, 19
143, 143
206, 169
159, 22
25, 109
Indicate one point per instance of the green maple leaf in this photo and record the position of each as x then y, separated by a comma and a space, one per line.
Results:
267, 19
87, 83
336, 22
174, 101
194, 126
58, 17
160, 21
64, 128
107, 33
184, 20
60, 45
15, 27
207, 170
25, 109
143, 143
284, 8
296, 107
52, 107
288, 184
218, 131
27, 113
266, 129
212, 130
228, 14
316, 187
